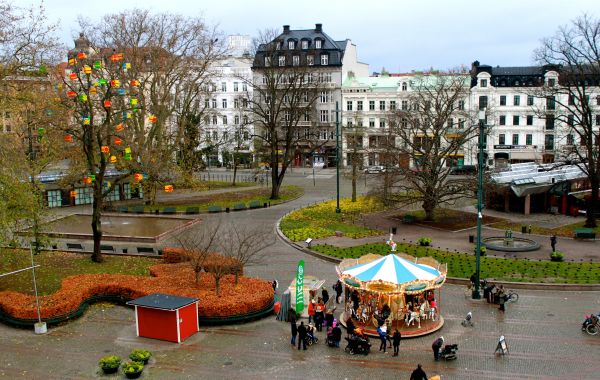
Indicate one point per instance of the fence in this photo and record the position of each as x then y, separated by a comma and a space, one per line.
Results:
261, 179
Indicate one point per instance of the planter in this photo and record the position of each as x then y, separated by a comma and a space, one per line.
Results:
40, 328
134, 375
109, 370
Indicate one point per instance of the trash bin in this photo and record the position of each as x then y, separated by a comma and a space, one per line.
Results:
227, 209
394, 230
471, 238
524, 229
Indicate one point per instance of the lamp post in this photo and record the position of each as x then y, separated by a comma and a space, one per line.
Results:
476, 294
337, 157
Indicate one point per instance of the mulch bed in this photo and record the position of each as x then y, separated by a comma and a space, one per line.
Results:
449, 220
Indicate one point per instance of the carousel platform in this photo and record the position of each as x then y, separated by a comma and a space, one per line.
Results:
413, 331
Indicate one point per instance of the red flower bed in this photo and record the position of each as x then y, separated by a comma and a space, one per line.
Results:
249, 295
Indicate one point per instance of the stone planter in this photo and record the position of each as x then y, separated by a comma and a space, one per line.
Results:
40, 328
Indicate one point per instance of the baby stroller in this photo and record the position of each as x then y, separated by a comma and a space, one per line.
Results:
310, 337
334, 337
449, 352
358, 344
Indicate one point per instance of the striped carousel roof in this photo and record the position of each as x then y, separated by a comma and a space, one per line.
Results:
392, 269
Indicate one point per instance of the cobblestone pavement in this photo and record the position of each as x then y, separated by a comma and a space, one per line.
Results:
542, 331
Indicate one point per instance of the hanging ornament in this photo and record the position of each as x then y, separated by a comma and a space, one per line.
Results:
97, 65
73, 76
169, 188
68, 138
119, 127
153, 119
121, 92
105, 149
73, 193
138, 177
118, 141
102, 82
127, 66
115, 83
71, 94
87, 180
134, 83
127, 155
72, 62
133, 102
83, 97
81, 56
86, 121
87, 69
93, 90
107, 104
113, 159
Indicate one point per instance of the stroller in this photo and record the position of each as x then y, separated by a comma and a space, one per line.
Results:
449, 352
310, 337
334, 337
358, 344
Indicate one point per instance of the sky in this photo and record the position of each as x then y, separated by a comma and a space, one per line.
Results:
398, 35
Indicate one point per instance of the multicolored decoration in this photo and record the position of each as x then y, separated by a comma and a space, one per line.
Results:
71, 94
116, 57
102, 82
121, 92
107, 104
68, 138
87, 69
118, 141
133, 101
120, 127
138, 177
115, 83
97, 65
105, 149
134, 83
73, 76
127, 154
153, 119
93, 90
81, 56
83, 97
86, 121
168, 188
126, 66
113, 159
72, 62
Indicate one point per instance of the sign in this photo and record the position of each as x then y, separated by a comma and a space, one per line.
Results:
300, 287
502, 347
511, 146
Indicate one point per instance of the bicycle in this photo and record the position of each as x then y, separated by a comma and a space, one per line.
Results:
511, 296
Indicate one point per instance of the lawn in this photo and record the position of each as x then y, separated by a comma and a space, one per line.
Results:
566, 230
462, 265
54, 266
321, 220
448, 219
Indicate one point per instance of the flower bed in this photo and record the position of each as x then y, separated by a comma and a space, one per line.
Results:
248, 296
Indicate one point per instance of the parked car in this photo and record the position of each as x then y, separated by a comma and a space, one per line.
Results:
319, 165
464, 170
375, 169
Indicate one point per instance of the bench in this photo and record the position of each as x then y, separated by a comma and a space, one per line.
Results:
408, 219
239, 206
214, 208
107, 248
192, 210
585, 233
124, 209
169, 210
75, 246
254, 204
138, 209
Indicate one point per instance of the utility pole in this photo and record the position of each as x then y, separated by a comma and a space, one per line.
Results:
337, 157
476, 294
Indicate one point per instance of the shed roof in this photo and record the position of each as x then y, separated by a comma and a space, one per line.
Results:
162, 301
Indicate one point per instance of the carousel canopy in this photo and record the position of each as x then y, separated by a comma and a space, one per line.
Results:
392, 269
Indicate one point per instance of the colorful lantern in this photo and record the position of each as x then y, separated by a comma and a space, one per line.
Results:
115, 83
87, 180
138, 177
105, 149
86, 121
134, 83
127, 154
134, 102
68, 138
153, 119
169, 188
119, 127
121, 92
107, 104
72, 62
102, 82
93, 90
81, 56
73, 193
73, 76
87, 69
113, 159
71, 94
97, 65
127, 66
118, 141
83, 97
116, 57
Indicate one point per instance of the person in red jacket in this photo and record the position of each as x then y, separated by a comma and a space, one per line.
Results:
311, 311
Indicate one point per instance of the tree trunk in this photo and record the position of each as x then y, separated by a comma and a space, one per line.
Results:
96, 222
218, 285
429, 208
197, 276
590, 219
234, 170
354, 175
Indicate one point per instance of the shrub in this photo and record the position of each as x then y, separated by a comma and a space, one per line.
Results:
140, 355
424, 241
110, 363
557, 256
132, 367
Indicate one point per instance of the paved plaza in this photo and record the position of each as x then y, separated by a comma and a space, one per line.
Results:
542, 331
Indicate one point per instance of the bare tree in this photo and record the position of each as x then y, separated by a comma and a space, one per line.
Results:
285, 94
355, 151
433, 130
198, 245
574, 52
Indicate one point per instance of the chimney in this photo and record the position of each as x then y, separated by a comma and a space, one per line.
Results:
319, 28
286, 29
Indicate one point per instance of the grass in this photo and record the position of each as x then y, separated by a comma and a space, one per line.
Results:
462, 265
54, 266
228, 199
566, 230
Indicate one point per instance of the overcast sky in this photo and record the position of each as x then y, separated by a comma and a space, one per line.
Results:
396, 34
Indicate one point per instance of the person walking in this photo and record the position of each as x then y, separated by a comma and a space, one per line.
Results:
319, 314
396, 341
311, 311
553, 242
418, 374
501, 298
382, 331
436, 346
294, 327
302, 335
325, 295
338, 290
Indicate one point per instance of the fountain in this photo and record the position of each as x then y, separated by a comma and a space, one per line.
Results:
508, 243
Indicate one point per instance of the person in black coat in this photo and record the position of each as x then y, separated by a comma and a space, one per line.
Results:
355, 300
325, 295
436, 346
396, 341
418, 374
336, 335
302, 335
294, 329
338, 290
350, 326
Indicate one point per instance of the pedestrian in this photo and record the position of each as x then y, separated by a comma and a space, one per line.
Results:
553, 242
355, 300
436, 347
325, 295
418, 374
319, 314
302, 335
275, 285
294, 327
350, 326
501, 298
529, 229
338, 290
396, 339
311, 311
382, 331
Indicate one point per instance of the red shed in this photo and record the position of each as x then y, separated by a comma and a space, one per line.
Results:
166, 317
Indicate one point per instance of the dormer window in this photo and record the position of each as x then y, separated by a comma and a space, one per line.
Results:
304, 45
267, 61
318, 44
483, 83
291, 44
324, 59
551, 82
404, 86
278, 46
282, 60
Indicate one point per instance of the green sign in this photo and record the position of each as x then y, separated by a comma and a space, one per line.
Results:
300, 287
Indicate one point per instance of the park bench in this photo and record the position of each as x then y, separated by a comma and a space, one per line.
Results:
214, 208
408, 219
239, 206
585, 233
254, 204
192, 210
109, 248
123, 209
75, 246
138, 209
169, 210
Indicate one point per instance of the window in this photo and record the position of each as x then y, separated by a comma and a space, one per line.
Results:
310, 60
296, 60
461, 105
529, 139
244, 87
235, 86
306, 116
349, 123
515, 139
529, 119
503, 100
517, 100
549, 122
236, 103
371, 122
324, 116
287, 115
404, 123
598, 119
502, 120
570, 139
404, 86
304, 44
501, 139
483, 101
224, 120
549, 142
382, 105
371, 105
206, 103
515, 120
282, 60
245, 103
405, 105
236, 119
278, 45
550, 103
349, 105
214, 103
570, 120
483, 83
215, 135
246, 135
392, 105
359, 105
224, 86
291, 45
551, 82
324, 98
214, 119
224, 103
382, 123
359, 122
571, 100
324, 59
318, 44
461, 123
530, 100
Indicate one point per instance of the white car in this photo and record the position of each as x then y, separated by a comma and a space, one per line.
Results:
319, 165
375, 169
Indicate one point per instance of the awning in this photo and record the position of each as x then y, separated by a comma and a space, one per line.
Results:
523, 190
524, 156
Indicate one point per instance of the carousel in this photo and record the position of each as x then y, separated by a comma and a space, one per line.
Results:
398, 290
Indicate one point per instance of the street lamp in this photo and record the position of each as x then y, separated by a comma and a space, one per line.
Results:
337, 157
476, 294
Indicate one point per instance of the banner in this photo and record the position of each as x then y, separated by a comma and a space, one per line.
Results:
300, 287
